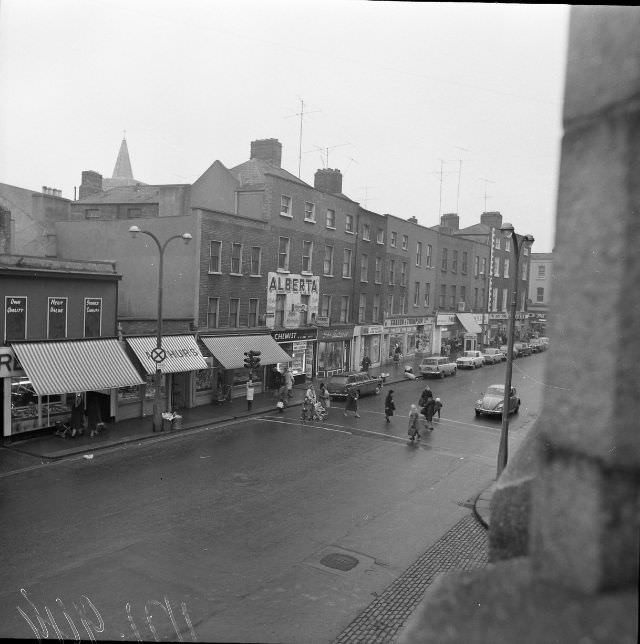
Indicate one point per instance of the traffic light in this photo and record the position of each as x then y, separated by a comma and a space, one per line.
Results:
256, 359
248, 359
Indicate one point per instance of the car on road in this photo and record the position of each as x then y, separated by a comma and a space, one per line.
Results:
492, 401
470, 360
503, 348
545, 341
339, 385
437, 366
491, 355
523, 348
537, 345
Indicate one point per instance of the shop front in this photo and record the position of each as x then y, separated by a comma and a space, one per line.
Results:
301, 345
407, 336
41, 381
368, 341
334, 350
183, 361
231, 375
498, 327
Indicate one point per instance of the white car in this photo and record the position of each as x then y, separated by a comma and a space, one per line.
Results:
492, 355
470, 360
438, 366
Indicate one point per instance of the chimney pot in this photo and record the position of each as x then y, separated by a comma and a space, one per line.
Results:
267, 150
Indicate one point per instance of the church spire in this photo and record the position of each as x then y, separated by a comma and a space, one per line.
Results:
122, 169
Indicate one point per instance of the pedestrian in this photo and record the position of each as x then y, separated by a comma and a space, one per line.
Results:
389, 405
414, 419
366, 363
428, 411
325, 397
250, 391
281, 404
93, 414
276, 381
437, 407
426, 393
288, 382
77, 415
352, 402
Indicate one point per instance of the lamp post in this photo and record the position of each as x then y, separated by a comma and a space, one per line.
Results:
159, 354
508, 232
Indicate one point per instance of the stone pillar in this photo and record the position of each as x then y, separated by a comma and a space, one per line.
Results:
586, 500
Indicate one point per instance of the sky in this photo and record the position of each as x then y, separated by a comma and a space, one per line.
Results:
426, 108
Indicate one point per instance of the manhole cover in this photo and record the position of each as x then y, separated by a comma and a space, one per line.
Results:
339, 561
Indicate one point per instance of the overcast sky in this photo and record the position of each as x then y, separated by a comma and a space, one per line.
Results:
393, 94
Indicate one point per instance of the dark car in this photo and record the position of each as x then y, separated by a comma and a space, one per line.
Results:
523, 348
339, 385
492, 401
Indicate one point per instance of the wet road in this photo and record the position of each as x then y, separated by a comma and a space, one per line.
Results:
223, 535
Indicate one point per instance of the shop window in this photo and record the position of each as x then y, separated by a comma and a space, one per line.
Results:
27, 413
331, 356
204, 380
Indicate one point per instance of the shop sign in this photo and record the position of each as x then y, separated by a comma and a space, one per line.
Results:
187, 352
335, 334
299, 346
305, 284
286, 291
505, 316
322, 320
15, 327
445, 319
372, 330
92, 317
10, 366
294, 335
57, 327
405, 321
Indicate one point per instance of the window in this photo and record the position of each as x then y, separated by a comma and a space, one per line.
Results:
524, 270
526, 250
507, 245
285, 206
215, 247
304, 310
346, 263
213, 310
419, 254
281, 301
463, 293
378, 273
465, 261
505, 267
366, 232
392, 271
331, 218
442, 297
344, 308
445, 253
475, 298
416, 294
390, 304
427, 293
540, 294
325, 306
348, 223
482, 298
92, 213
403, 303
496, 266
364, 268
429, 253
483, 271
234, 312
256, 260
505, 298
283, 254
309, 211
394, 239
362, 305
253, 312
405, 242
134, 212
403, 274
236, 259
375, 313
452, 297
476, 266
328, 261
454, 261
380, 236
496, 240
307, 250
542, 272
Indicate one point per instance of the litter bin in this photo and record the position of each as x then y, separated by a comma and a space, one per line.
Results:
177, 421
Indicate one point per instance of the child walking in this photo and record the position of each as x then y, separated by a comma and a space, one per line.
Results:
414, 420
437, 407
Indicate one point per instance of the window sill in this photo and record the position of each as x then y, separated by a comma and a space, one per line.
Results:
215, 272
255, 275
306, 272
327, 275
346, 277
367, 239
380, 243
283, 270
310, 221
349, 232
330, 227
284, 214
236, 274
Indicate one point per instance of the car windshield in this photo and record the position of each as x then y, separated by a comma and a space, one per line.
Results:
469, 354
495, 390
490, 351
430, 361
338, 380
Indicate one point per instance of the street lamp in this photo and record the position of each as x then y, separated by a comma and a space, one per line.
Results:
186, 237
508, 232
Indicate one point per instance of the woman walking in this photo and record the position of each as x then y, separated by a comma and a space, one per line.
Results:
352, 402
414, 419
428, 410
325, 398
389, 405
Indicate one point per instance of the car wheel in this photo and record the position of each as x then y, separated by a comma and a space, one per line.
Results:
477, 413
442, 375
455, 371
378, 389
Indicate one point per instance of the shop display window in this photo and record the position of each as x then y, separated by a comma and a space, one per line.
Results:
330, 356
129, 394
150, 389
29, 412
204, 380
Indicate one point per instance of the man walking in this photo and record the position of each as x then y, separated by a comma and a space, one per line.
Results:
288, 382
250, 391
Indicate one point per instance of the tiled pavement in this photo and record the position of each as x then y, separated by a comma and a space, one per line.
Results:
463, 547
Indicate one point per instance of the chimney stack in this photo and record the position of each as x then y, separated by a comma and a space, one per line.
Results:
328, 180
91, 183
267, 150
413, 220
450, 220
493, 219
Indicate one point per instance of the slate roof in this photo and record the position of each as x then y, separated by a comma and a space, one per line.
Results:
125, 194
253, 172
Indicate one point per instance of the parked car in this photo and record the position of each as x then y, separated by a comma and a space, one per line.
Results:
545, 341
492, 401
439, 366
339, 385
537, 346
503, 348
523, 348
470, 360
492, 355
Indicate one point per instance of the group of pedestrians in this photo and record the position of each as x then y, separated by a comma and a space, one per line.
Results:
426, 409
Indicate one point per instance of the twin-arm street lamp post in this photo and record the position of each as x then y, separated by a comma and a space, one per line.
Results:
508, 232
159, 354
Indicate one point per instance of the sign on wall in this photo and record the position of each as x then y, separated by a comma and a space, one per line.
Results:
57, 317
92, 317
293, 287
15, 318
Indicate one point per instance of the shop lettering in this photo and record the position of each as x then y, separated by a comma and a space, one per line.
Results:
177, 353
294, 284
39, 621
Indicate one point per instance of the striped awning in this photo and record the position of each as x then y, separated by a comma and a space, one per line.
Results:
469, 323
182, 353
229, 351
78, 365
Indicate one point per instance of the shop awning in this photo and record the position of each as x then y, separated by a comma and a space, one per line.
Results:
181, 353
229, 351
469, 323
78, 365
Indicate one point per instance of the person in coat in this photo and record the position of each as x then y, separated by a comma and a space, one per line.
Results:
389, 405
414, 420
424, 396
77, 415
437, 407
288, 382
352, 403
325, 397
428, 411
250, 392
366, 363
93, 414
